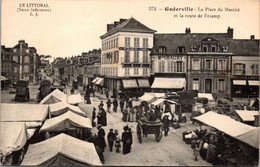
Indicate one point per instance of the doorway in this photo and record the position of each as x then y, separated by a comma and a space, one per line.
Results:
208, 85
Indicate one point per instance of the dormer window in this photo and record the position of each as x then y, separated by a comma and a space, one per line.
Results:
14, 50
225, 49
193, 48
162, 49
205, 48
181, 49
213, 48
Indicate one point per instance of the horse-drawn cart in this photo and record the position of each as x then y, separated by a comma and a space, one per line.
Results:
145, 127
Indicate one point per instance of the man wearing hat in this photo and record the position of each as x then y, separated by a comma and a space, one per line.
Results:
101, 138
93, 117
111, 139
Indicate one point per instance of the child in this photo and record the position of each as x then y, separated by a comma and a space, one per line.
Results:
117, 141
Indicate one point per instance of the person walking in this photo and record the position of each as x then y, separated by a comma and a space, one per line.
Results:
111, 138
115, 105
93, 117
101, 138
103, 118
130, 103
125, 137
166, 125
108, 105
100, 106
117, 143
130, 140
107, 94
122, 104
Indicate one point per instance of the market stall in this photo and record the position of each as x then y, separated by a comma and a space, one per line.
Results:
54, 97
62, 107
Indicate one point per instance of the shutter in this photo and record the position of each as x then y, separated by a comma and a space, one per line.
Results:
183, 66
244, 68
175, 66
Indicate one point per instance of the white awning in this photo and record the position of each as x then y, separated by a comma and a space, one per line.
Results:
95, 80
158, 102
205, 95
3, 78
100, 82
130, 83
239, 82
247, 115
143, 83
254, 83
169, 83
147, 97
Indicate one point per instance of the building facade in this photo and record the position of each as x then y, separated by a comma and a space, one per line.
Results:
125, 60
21, 61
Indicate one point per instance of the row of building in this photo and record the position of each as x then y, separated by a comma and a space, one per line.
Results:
135, 57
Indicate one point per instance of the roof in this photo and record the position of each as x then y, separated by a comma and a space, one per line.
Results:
172, 41
147, 97
129, 25
78, 151
247, 115
74, 99
13, 136
16, 112
54, 97
62, 107
66, 121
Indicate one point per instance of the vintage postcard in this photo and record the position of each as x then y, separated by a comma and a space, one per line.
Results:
129, 82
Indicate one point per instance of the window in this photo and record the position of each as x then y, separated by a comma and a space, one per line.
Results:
109, 46
136, 70
26, 59
193, 48
15, 50
127, 56
161, 66
179, 66
112, 44
195, 84
145, 57
127, 71
208, 65
255, 68
221, 65
145, 71
116, 71
127, 41
27, 51
26, 69
136, 56
221, 85
195, 64
162, 49
15, 58
145, 42
225, 49
15, 70
136, 42
213, 48
116, 57
116, 45
181, 49
204, 48
239, 68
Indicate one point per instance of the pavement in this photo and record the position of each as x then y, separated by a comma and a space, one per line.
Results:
170, 151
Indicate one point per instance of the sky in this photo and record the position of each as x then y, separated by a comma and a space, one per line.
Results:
75, 26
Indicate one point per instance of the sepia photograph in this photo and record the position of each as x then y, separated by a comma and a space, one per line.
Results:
129, 83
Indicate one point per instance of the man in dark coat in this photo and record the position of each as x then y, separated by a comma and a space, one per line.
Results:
102, 118
100, 106
101, 138
125, 137
108, 105
166, 124
93, 116
130, 103
130, 140
122, 104
111, 138
115, 104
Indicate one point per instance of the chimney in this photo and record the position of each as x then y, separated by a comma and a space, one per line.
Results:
122, 20
252, 37
187, 31
116, 23
230, 32
109, 27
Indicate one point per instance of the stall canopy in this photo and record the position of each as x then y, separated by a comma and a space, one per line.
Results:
62, 107
11, 112
251, 137
247, 115
158, 102
62, 150
254, 83
169, 83
54, 97
143, 83
100, 82
205, 95
225, 124
239, 82
66, 121
129, 83
3, 78
95, 80
147, 97
74, 99
13, 137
